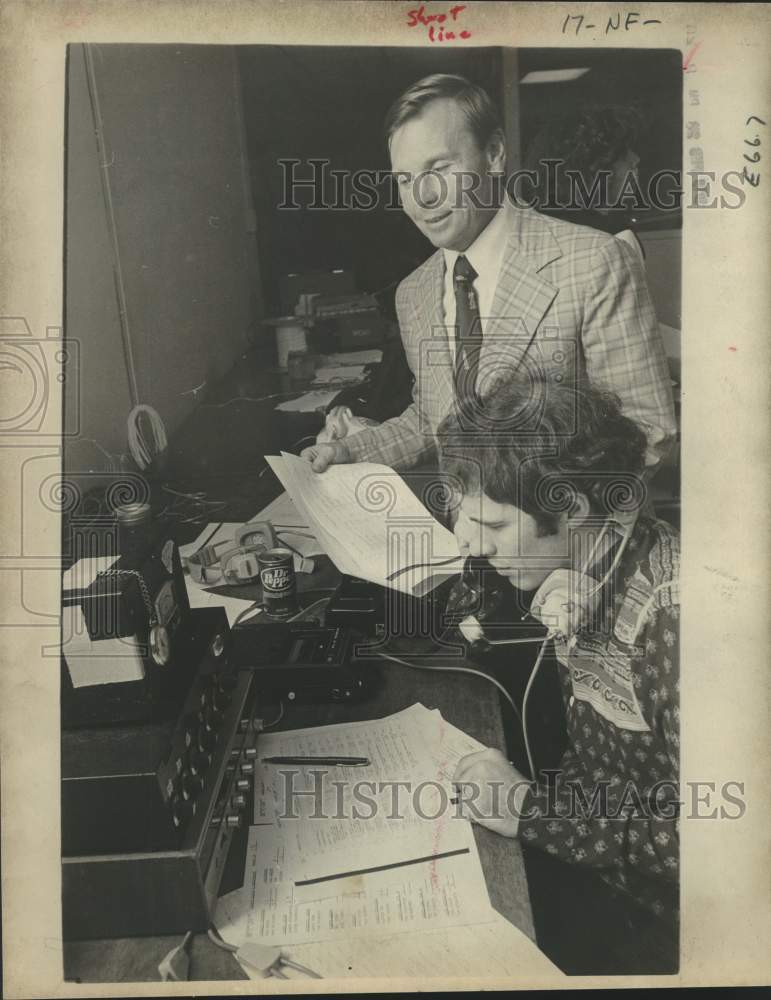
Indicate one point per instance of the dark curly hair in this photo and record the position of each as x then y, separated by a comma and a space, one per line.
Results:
598, 137
536, 444
584, 143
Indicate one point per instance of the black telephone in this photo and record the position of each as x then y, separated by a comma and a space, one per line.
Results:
484, 611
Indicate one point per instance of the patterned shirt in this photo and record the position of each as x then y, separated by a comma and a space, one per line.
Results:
613, 804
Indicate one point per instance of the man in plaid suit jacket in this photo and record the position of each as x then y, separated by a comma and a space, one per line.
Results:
554, 298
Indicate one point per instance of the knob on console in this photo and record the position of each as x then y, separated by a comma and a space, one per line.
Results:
192, 785
207, 737
199, 761
181, 811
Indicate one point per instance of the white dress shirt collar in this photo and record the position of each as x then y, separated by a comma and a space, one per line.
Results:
486, 252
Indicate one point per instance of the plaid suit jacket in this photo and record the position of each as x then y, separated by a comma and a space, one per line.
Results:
568, 300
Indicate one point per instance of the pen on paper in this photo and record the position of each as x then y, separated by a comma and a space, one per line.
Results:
383, 868
330, 761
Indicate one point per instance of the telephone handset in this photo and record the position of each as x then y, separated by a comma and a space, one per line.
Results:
565, 601
484, 611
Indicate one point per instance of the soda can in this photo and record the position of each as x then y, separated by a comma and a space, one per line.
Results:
279, 585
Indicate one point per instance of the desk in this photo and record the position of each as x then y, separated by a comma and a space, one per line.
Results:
467, 702
217, 453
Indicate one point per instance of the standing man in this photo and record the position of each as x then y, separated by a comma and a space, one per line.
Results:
508, 290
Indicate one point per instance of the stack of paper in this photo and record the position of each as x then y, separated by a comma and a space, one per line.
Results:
495, 951
341, 889
371, 524
337, 851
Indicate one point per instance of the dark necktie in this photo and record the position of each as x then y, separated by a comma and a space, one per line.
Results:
469, 339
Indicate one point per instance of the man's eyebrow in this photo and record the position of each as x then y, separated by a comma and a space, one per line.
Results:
492, 523
436, 157
426, 165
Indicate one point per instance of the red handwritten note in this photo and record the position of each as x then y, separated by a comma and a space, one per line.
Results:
443, 26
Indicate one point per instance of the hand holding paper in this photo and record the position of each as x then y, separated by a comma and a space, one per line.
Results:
371, 524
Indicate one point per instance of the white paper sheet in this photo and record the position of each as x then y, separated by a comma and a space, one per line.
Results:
370, 523
282, 512
440, 892
201, 598
366, 813
397, 752
82, 574
98, 661
338, 373
309, 402
493, 950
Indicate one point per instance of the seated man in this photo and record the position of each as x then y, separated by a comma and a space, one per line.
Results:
542, 469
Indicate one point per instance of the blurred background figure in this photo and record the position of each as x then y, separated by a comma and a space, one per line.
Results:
595, 140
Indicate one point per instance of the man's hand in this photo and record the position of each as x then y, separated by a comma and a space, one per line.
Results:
321, 456
491, 791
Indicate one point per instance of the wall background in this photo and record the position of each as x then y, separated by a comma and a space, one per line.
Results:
175, 230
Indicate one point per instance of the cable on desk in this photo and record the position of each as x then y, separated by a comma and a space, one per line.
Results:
530, 680
285, 544
300, 968
458, 670
492, 680
209, 537
421, 565
174, 967
311, 607
265, 959
214, 936
296, 617
250, 399
114, 463
139, 446
279, 717
257, 606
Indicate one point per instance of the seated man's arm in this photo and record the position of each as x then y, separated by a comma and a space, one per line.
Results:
622, 834
402, 441
623, 349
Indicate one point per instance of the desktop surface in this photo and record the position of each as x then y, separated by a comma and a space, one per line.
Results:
219, 454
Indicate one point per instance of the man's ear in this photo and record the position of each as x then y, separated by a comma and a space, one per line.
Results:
496, 153
580, 510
